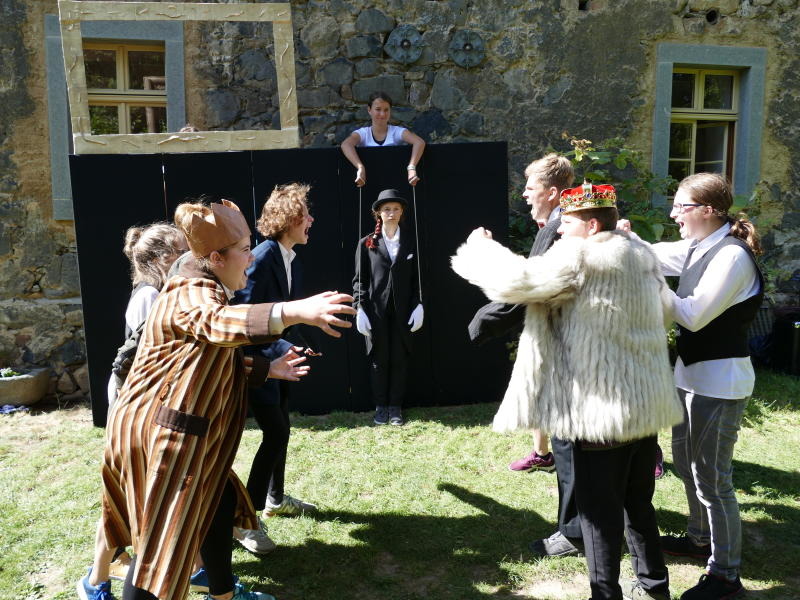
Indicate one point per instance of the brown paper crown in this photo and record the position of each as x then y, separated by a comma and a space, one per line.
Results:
223, 227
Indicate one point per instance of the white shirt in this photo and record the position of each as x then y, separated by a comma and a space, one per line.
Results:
394, 136
392, 244
554, 214
288, 256
730, 278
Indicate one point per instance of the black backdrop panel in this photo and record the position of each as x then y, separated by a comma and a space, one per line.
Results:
463, 193
218, 175
111, 193
462, 186
327, 387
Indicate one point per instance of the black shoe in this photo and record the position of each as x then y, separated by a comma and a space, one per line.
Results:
381, 415
556, 545
683, 546
633, 590
714, 587
395, 415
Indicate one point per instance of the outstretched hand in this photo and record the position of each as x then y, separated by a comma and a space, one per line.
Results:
320, 310
288, 366
624, 225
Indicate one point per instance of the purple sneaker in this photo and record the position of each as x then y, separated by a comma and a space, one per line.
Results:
534, 462
658, 472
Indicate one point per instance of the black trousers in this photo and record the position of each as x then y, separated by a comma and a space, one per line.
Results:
388, 361
216, 552
614, 492
569, 522
269, 463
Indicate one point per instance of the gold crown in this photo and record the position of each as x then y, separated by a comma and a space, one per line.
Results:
588, 196
225, 225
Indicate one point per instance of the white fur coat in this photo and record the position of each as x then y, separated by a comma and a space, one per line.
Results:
592, 362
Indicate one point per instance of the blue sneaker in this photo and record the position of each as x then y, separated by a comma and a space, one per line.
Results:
198, 582
240, 594
87, 591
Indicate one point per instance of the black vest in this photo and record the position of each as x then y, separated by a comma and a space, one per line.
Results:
725, 336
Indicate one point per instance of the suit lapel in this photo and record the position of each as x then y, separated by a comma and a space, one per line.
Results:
280, 270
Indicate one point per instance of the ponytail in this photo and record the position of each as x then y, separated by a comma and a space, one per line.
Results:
744, 230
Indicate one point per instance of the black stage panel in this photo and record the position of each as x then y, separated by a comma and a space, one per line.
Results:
110, 193
462, 186
218, 175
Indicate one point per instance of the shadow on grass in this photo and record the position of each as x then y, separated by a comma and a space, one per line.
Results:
408, 556
466, 415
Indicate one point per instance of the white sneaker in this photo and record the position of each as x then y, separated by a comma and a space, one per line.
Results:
289, 507
255, 540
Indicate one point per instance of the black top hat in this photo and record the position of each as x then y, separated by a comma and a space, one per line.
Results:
388, 196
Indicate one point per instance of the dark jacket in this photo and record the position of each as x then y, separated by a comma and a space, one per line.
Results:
267, 282
496, 319
382, 282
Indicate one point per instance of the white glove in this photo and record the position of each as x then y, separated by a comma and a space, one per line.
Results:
362, 323
416, 318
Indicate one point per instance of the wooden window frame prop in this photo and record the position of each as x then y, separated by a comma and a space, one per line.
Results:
73, 12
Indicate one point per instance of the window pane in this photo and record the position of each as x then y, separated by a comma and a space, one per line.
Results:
718, 92
101, 68
148, 119
679, 169
104, 120
710, 143
680, 140
683, 90
146, 70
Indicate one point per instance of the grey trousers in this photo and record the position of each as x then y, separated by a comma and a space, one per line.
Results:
702, 448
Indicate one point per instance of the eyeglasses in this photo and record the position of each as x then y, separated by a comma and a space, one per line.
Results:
681, 208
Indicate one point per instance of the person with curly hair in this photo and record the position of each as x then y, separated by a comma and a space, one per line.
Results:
274, 276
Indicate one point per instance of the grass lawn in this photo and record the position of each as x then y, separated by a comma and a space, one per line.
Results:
428, 510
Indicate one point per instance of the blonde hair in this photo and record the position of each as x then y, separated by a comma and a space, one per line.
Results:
283, 209
151, 250
553, 170
712, 189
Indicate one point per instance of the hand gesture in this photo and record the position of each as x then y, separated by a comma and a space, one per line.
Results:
624, 225
288, 367
361, 176
417, 316
320, 310
413, 178
363, 325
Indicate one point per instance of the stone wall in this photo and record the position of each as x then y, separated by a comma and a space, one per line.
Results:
41, 321
586, 67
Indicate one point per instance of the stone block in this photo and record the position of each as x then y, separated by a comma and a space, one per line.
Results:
726, 7
25, 389
321, 36
338, 72
66, 385
435, 47
81, 376
419, 93
431, 125
391, 84
373, 20
255, 65
403, 114
222, 108
317, 124
317, 97
445, 95
363, 45
367, 67
470, 123
73, 316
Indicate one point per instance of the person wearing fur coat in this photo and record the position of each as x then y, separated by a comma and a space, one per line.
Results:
592, 367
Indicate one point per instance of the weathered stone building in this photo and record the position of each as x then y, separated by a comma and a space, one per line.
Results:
594, 68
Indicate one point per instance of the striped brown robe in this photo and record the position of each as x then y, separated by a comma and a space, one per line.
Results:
174, 430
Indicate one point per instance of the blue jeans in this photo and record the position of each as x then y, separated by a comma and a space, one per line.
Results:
702, 448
